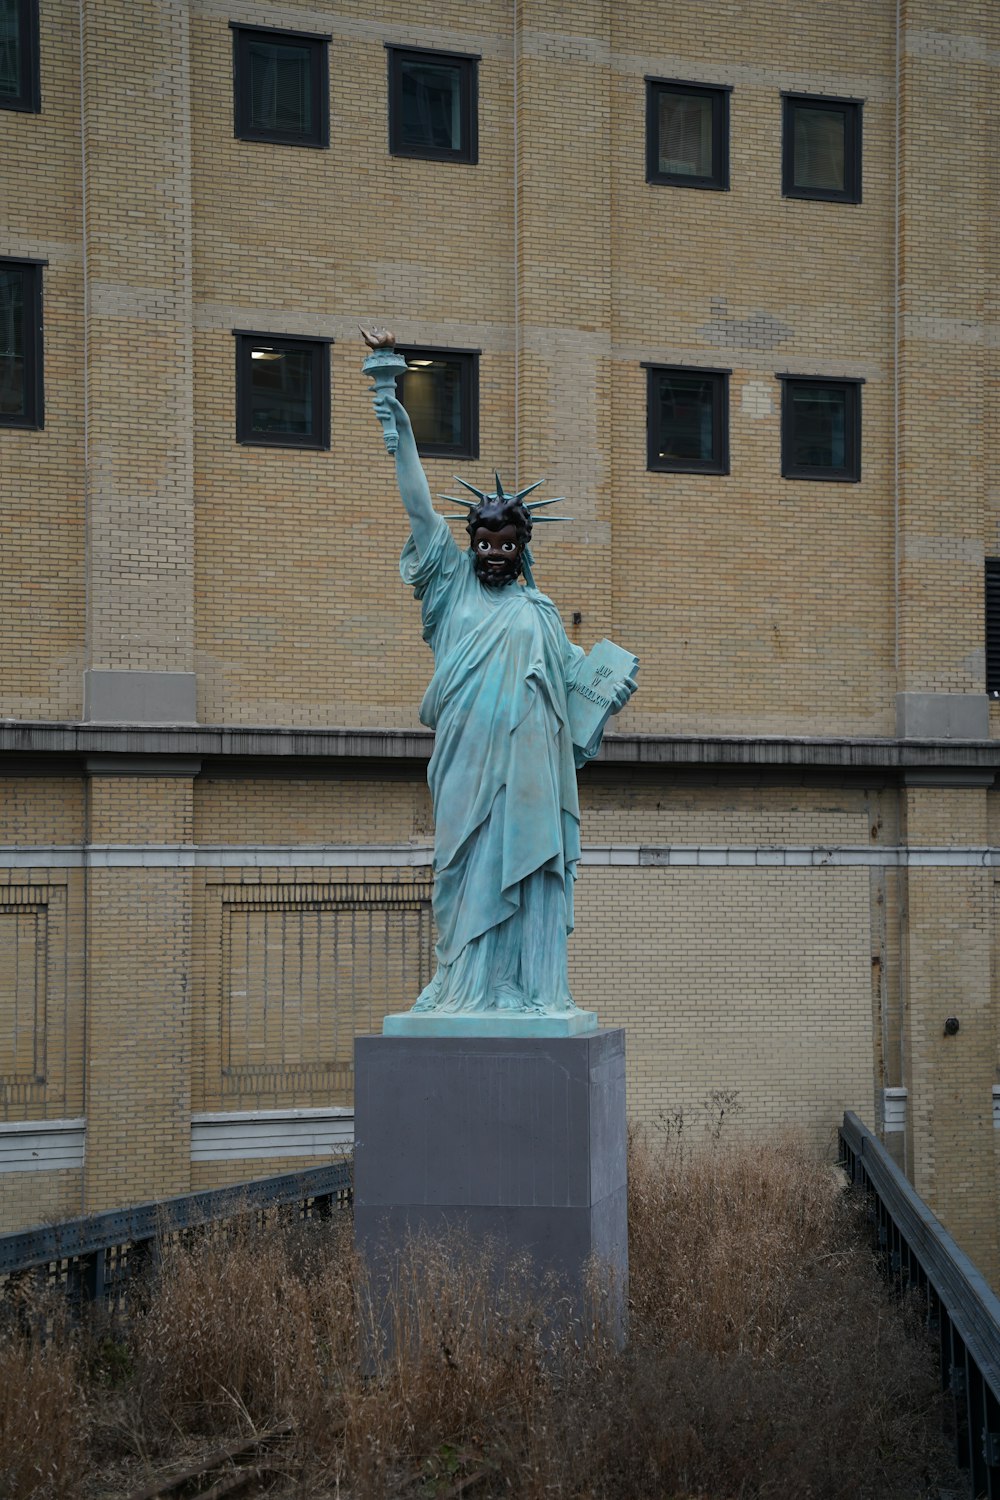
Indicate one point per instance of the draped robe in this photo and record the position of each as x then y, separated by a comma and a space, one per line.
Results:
503, 783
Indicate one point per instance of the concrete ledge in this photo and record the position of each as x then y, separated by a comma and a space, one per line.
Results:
23, 743
421, 857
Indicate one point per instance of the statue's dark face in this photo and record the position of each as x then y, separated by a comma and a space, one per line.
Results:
497, 555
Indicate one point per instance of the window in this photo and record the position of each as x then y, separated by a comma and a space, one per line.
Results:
282, 390
687, 421
821, 148
687, 134
820, 427
21, 344
433, 105
441, 394
993, 626
280, 87
19, 82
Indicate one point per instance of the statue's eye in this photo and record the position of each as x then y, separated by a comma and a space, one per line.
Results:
509, 546
482, 546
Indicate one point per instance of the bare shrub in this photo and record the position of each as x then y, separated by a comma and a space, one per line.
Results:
43, 1405
760, 1329
764, 1357
718, 1238
461, 1347
240, 1327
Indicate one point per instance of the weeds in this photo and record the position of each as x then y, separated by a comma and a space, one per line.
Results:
764, 1360
43, 1404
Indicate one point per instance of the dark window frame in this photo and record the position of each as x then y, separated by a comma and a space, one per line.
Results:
718, 178
34, 389
850, 473
28, 99
719, 462
468, 65
469, 360
319, 438
991, 609
851, 109
243, 128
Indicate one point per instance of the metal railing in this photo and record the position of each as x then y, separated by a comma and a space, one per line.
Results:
918, 1254
94, 1259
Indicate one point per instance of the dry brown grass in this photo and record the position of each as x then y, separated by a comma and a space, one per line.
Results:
764, 1359
43, 1404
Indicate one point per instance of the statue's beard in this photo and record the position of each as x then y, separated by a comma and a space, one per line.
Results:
497, 578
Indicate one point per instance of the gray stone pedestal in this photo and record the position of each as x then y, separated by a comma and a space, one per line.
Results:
520, 1139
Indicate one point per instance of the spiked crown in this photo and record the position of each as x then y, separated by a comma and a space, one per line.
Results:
500, 509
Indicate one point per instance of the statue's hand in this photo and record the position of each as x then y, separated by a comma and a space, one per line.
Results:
391, 406
622, 694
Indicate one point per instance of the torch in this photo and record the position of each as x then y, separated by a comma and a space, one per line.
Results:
383, 364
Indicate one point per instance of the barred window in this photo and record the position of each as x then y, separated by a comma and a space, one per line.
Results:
993, 626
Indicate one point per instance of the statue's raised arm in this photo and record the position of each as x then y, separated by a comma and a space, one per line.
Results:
383, 365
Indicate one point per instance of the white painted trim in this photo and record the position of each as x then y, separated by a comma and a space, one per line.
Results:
41, 1145
894, 1110
320, 1112
813, 856
239, 1135
211, 856
419, 856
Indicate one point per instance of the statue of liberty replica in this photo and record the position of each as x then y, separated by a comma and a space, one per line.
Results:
495, 1106
516, 709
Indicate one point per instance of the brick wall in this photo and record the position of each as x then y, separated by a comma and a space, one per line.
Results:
143, 539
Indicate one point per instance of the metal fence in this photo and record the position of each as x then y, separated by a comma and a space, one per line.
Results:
94, 1259
918, 1254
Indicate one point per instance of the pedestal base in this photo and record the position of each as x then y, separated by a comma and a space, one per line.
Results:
488, 1023
521, 1139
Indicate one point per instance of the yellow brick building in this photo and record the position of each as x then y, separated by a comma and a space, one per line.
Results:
726, 276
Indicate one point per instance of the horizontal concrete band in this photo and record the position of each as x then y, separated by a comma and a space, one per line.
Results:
42, 1145
58, 1145
420, 856
263, 1133
259, 1134
40, 738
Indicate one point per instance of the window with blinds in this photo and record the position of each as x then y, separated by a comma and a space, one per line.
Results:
821, 148
687, 134
280, 87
